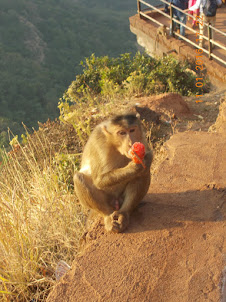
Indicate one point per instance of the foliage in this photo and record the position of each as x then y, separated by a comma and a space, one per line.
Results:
65, 166
84, 115
127, 75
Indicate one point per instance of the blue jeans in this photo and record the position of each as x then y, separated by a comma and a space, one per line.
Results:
180, 17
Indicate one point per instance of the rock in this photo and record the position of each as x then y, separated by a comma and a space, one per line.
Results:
220, 124
171, 104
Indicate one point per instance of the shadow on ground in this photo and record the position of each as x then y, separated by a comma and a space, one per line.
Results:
170, 210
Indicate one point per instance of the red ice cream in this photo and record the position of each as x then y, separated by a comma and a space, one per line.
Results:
137, 152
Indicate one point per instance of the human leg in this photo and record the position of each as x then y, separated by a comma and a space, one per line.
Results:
183, 19
202, 29
174, 24
212, 21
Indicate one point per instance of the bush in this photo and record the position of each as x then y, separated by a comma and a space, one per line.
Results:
127, 75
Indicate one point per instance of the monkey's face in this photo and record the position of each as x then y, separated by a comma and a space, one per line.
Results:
122, 132
126, 137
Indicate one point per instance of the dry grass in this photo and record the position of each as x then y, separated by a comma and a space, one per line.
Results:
86, 113
40, 222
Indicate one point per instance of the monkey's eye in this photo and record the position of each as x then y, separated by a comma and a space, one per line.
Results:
122, 132
131, 130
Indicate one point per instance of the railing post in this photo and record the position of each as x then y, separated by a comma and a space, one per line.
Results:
209, 43
138, 7
171, 21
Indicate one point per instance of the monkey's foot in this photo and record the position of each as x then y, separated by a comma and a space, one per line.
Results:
116, 222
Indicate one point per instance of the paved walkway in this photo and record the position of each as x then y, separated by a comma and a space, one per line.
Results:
220, 24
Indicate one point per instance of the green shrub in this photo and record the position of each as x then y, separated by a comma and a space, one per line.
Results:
126, 75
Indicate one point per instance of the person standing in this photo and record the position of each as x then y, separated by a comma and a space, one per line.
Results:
195, 13
182, 4
208, 9
166, 8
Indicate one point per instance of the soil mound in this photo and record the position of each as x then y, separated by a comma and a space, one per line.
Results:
220, 125
171, 104
174, 248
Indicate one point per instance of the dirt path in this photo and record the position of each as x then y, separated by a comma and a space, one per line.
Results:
174, 249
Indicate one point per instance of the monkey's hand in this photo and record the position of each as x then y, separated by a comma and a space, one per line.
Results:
148, 159
116, 222
136, 169
137, 152
127, 173
139, 168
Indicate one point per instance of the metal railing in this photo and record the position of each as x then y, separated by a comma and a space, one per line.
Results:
210, 28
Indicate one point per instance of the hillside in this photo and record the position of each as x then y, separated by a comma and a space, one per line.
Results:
41, 45
174, 248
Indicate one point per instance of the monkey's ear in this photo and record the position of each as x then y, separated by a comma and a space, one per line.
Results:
138, 115
105, 130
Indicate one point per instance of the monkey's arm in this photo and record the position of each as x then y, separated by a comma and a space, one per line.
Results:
126, 173
117, 176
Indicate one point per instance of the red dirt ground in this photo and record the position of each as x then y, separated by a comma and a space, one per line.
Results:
174, 248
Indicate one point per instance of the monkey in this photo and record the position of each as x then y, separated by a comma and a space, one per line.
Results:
109, 182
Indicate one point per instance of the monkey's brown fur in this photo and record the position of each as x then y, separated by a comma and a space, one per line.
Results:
108, 181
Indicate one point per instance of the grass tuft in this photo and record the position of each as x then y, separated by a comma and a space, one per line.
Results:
40, 221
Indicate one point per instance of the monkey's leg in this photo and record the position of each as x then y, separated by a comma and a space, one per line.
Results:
91, 197
134, 193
